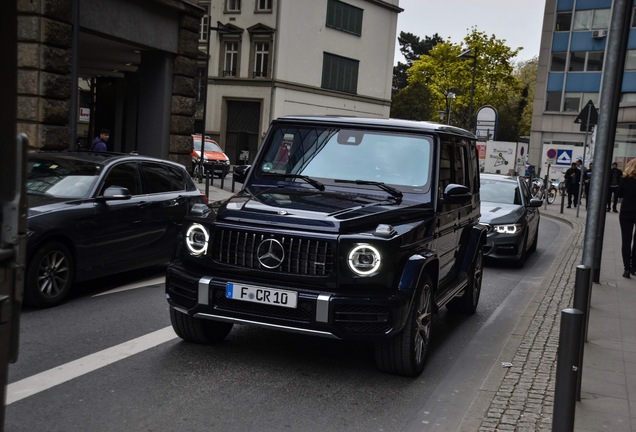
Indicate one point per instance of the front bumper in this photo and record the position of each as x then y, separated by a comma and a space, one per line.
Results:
326, 314
504, 246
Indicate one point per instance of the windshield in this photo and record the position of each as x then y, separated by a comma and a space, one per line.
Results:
210, 146
502, 192
394, 158
61, 178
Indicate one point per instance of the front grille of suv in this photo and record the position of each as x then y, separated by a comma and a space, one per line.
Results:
303, 256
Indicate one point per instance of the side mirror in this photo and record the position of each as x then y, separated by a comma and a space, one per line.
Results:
115, 193
241, 172
535, 202
456, 194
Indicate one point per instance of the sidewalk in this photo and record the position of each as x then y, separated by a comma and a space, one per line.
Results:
521, 397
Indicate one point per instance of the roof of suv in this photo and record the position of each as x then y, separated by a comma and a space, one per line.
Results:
378, 123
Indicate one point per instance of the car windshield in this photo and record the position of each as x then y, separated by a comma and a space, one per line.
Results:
339, 155
61, 178
502, 192
210, 146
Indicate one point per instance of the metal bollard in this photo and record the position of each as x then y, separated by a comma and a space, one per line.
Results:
567, 370
207, 183
582, 298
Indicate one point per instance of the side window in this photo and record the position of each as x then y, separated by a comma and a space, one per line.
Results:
459, 167
445, 165
124, 175
161, 178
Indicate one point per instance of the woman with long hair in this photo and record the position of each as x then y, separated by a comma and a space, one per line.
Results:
627, 217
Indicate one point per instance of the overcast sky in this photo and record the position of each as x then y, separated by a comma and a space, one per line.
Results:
518, 22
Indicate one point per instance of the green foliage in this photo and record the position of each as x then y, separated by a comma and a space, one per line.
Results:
436, 68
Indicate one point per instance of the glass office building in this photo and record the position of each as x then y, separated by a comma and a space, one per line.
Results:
571, 61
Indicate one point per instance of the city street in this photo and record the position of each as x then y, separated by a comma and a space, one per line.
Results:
108, 360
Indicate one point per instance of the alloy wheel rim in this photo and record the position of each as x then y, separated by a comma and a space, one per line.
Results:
424, 321
53, 274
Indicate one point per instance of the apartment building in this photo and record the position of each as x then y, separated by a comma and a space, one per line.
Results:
571, 60
262, 59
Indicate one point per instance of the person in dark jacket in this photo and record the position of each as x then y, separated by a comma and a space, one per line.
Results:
99, 143
587, 176
572, 183
627, 217
615, 179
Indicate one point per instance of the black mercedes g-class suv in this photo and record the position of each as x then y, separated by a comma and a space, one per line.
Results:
346, 228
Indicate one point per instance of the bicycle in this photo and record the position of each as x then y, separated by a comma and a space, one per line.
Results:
538, 190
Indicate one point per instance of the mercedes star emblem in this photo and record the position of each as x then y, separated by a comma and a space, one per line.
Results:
270, 253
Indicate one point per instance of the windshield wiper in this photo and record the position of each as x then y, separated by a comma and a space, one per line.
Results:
395, 193
313, 182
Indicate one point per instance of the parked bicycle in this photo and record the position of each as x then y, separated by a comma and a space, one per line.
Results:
538, 190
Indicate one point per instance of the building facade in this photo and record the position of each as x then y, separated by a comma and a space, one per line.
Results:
127, 66
571, 59
269, 58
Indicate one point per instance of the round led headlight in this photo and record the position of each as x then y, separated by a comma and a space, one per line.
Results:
196, 239
364, 260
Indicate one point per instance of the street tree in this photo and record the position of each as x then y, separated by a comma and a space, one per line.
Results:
479, 70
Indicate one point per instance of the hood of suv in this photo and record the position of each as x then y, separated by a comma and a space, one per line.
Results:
317, 210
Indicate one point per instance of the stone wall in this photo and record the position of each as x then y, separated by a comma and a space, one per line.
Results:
44, 67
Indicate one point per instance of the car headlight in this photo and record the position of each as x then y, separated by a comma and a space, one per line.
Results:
197, 239
508, 229
364, 260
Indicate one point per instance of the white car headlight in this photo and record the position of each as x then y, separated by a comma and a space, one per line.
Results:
364, 260
508, 229
197, 239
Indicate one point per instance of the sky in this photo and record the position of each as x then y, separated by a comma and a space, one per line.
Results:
518, 22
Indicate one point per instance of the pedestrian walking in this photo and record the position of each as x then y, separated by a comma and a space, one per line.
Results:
627, 217
572, 182
615, 179
99, 143
587, 176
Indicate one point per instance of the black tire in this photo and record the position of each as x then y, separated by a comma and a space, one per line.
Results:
50, 275
552, 194
468, 302
197, 330
405, 353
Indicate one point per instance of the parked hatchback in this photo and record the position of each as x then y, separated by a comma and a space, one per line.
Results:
97, 214
511, 216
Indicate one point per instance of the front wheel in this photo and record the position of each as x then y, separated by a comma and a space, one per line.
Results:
405, 353
49, 275
198, 330
552, 193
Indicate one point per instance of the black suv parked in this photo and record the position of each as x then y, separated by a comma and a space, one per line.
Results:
346, 228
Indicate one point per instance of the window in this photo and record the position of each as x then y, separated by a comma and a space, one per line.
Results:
161, 178
231, 59
591, 19
553, 101
339, 73
232, 6
574, 102
630, 60
201, 84
558, 62
263, 5
345, 17
261, 59
203, 28
577, 61
563, 21
124, 175
595, 61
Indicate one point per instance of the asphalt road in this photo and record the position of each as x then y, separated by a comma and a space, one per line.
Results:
108, 360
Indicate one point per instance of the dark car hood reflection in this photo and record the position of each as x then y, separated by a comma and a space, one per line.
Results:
45, 203
492, 212
328, 211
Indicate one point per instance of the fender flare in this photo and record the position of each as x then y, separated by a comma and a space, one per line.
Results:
475, 241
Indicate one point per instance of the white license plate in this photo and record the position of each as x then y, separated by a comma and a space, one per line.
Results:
261, 295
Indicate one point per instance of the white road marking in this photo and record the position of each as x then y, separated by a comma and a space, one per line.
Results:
140, 284
45, 380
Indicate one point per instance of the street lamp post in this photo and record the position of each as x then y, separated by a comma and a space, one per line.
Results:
472, 54
450, 96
